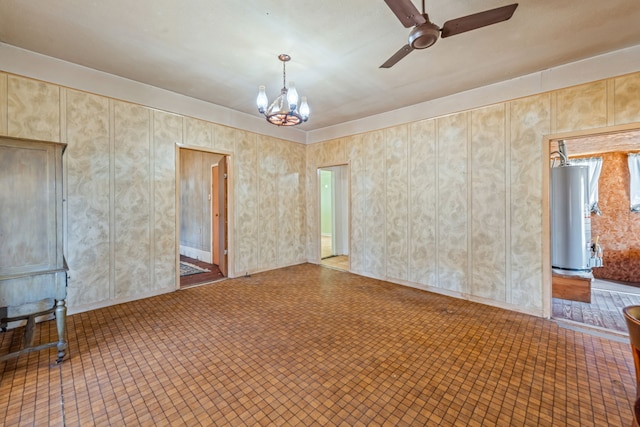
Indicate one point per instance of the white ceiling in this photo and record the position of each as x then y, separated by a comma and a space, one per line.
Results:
220, 51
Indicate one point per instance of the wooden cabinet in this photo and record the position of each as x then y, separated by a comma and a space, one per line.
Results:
33, 271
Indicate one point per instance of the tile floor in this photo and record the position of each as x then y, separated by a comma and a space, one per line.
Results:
313, 346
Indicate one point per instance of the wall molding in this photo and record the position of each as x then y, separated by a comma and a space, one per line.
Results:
36, 66
612, 64
41, 67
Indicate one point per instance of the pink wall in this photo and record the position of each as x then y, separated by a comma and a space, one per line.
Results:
618, 227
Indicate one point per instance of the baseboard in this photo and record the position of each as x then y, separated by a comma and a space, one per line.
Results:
196, 254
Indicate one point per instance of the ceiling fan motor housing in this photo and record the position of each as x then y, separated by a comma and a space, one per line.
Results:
424, 35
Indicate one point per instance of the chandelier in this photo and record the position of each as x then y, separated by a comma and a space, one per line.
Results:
284, 110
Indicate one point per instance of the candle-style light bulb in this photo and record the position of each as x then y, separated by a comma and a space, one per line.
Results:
262, 100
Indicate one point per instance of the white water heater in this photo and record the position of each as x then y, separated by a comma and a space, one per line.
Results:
570, 218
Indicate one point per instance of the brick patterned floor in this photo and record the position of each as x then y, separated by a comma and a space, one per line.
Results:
308, 345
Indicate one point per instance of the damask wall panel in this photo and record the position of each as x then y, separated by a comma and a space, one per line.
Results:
331, 153
269, 165
452, 203
3, 104
422, 202
224, 138
87, 202
357, 212
530, 119
139, 173
627, 99
197, 132
246, 199
132, 199
167, 132
488, 199
375, 198
33, 109
397, 202
312, 203
582, 107
290, 167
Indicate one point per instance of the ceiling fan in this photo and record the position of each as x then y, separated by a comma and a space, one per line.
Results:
425, 33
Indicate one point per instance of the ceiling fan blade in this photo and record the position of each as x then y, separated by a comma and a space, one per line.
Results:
404, 51
477, 20
406, 12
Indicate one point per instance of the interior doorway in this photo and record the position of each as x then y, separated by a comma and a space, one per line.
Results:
617, 283
203, 211
334, 216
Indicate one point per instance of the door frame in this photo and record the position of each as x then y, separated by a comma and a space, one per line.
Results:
230, 207
547, 311
318, 228
215, 225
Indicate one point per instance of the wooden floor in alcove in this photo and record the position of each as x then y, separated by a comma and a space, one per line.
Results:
214, 274
605, 309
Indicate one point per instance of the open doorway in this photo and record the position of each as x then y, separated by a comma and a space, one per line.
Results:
203, 207
334, 216
597, 301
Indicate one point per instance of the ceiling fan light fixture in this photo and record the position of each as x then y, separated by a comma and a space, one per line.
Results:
423, 36
284, 110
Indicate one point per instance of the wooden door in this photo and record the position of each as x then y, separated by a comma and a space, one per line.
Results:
215, 215
222, 214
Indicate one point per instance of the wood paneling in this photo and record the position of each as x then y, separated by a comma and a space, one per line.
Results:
582, 107
167, 131
191, 188
132, 199
33, 109
268, 221
473, 190
197, 133
384, 203
195, 201
397, 202
224, 138
356, 153
453, 203
88, 197
530, 118
3, 104
246, 192
290, 201
375, 197
422, 202
627, 99
488, 203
